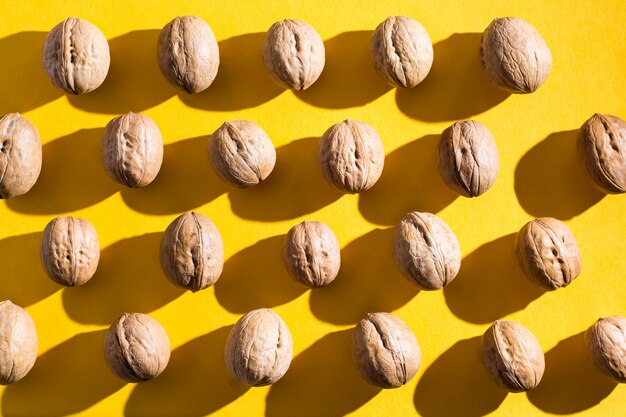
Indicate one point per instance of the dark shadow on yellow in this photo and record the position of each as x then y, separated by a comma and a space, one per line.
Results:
134, 82
294, 188
195, 383
321, 381
368, 282
490, 284
242, 80
257, 277
551, 181
571, 382
23, 81
186, 181
457, 384
129, 279
456, 87
67, 379
24, 282
72, 176
410, 182
349, 78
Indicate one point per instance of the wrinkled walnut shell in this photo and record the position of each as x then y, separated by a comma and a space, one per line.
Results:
20, 155
402, 51
548, 253
192, 252
426, 250
136, 347
606, 342
513, 356
76, 56
189, 55
386, 351
312, 254
259, 348
18, 343
468, 158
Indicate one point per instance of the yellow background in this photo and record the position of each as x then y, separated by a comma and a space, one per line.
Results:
539, 176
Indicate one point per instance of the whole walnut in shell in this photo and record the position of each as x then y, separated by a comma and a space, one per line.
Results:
70, 251
602, 148
241, 153
189, 55
20, 155
312, 254
402, 51
386, 351
468, 158
351, 156
132, 150
136, 347
259, 348
514, 55
294, 54
426, 250
76, 56
548, 253
606, 342
192, 252
18, 343
513, 356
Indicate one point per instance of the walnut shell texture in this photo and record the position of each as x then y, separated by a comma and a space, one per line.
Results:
192, 252
548, 253
468, 158
513, 356
76, 56
294, 54
602, 147
386, 351
132, 150
18, 343
606, 342
402, 51
20, 155
70, 251
426, 250
351, 156
188, 54
259, 348
514, 55
136, 347
312, 254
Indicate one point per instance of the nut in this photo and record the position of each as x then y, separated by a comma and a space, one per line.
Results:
468, 158
426, 250
312, 254
548, 253
241, 153
602, 148
513, 356
402, 51
132, 150
514, 55
20, 155
351, 156
70, 251
76, 56
192, 252
136, 347
259, 348
294, 54
18, 343
606, 342
386, 351
189, 56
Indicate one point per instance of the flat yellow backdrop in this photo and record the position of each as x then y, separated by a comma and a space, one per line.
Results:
539, 176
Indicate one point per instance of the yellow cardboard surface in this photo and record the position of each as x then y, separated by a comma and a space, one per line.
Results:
539, 176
